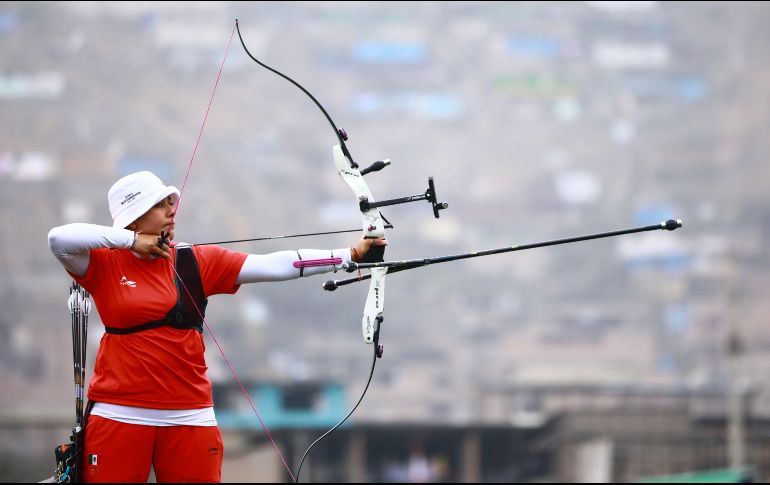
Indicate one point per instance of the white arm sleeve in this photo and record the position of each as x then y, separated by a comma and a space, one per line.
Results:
71, 243
280, 266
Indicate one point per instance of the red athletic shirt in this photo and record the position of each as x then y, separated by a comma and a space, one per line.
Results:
162, 368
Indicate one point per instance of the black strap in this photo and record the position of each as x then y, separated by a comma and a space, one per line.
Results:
191, 301
136, 328
191, 304
87, 413
78, 476
301, 268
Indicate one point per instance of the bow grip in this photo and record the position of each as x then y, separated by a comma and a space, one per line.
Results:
376, 254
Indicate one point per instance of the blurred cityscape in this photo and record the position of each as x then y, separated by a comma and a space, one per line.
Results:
612, 360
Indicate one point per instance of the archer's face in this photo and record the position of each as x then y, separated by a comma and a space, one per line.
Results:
159, 218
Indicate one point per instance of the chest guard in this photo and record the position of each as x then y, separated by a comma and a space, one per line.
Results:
190, 302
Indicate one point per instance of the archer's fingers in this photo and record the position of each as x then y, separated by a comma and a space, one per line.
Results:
166, 252
162, 251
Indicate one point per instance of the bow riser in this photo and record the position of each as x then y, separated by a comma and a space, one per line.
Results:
372, 222
374, 227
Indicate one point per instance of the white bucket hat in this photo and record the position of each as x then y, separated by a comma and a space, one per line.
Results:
133, 195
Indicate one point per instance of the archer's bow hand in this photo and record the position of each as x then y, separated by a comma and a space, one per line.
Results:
364, 245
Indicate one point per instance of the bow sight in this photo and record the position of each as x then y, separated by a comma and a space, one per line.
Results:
429, 195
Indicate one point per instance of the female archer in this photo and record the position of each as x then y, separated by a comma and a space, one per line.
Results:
150, 398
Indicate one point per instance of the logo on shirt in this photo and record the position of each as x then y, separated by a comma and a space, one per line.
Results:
126, 282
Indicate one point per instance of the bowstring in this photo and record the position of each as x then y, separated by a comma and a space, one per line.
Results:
179, 278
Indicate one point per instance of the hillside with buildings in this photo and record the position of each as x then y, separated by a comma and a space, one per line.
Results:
536, 120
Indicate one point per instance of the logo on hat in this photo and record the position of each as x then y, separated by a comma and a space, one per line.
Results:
130, 197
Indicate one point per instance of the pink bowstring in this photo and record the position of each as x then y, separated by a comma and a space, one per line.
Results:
203, 125
235, 375
213, 337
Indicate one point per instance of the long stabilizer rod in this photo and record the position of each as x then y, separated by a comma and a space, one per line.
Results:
396, 266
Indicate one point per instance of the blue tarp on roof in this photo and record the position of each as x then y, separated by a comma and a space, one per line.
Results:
378, 52
542, 47
8, 22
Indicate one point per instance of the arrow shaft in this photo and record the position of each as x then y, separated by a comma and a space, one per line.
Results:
288, 236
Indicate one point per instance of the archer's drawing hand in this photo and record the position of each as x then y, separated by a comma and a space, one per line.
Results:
146, 245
